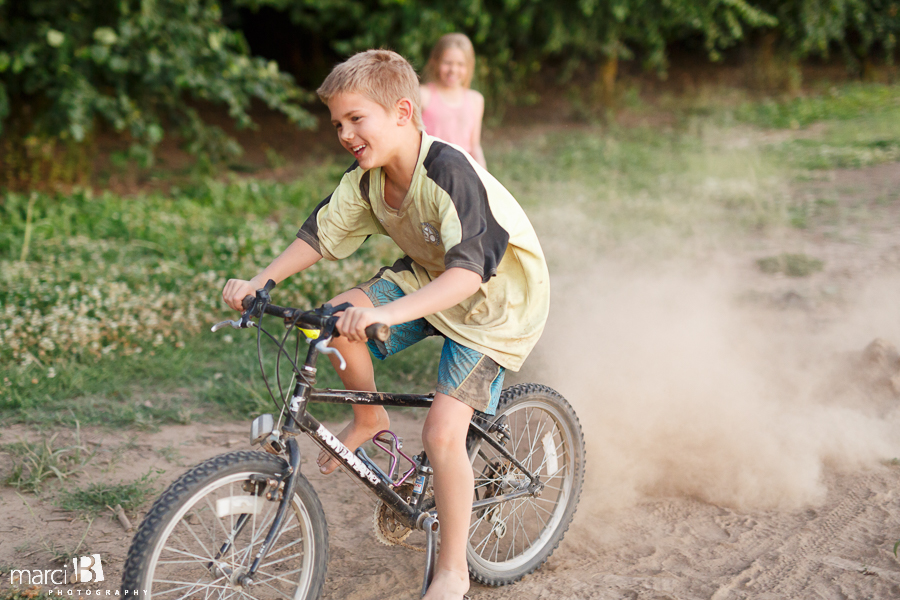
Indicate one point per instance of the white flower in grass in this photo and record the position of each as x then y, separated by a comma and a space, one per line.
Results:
51, 373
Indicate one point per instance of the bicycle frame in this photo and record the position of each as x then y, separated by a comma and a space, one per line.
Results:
358, 465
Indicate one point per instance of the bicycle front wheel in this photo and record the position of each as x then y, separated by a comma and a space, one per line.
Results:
510, 540
177, 552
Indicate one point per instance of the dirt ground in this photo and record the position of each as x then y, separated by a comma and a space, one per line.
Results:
740, 442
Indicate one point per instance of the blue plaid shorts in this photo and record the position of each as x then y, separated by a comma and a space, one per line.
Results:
465, 374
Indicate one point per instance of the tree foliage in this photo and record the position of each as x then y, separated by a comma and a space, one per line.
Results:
857, 28
514, 37
143, 67
139, 66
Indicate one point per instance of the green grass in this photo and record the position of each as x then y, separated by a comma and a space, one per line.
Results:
207, 379
643, 190
846, 102
113, 305
848, 126
63, 552
792, 265
170, 454
99, 498
35, 462
106, 321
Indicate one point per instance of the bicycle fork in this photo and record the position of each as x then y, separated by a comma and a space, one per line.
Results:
290, 486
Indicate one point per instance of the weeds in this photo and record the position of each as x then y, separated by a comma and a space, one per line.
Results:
170, 454
99, 497
837, 103
35, 462
34, 592
62, 554
855, 154
792, 265
115, 295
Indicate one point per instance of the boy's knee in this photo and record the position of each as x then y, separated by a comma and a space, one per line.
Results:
354, 296
437, 437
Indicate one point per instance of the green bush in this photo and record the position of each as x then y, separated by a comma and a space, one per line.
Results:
141, 68
514, 38
145, 68
856, 28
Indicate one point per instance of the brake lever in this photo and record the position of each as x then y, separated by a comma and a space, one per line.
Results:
323, 348
244, 323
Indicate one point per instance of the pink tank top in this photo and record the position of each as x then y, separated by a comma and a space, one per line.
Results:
454, 124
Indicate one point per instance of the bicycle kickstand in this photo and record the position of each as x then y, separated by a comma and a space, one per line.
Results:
431, 527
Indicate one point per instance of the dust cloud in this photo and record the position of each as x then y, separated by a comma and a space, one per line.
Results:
684, 389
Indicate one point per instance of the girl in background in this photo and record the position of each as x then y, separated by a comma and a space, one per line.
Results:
451, 110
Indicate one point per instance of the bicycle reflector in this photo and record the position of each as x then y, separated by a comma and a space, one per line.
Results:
261, 427
240, 505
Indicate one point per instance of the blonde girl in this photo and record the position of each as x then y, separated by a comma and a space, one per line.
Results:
451, 110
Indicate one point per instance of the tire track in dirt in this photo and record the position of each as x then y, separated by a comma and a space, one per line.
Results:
788, 566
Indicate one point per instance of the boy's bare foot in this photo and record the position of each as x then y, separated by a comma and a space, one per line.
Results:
448, 585
360, 429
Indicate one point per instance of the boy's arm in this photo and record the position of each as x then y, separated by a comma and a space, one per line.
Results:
296, 257
449, 289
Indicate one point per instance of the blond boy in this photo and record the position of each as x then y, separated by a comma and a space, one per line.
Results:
474, 273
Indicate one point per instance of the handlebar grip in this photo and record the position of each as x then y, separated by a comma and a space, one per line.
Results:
378, 331
247, 302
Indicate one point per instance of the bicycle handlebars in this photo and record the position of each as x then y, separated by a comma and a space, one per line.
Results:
313, 318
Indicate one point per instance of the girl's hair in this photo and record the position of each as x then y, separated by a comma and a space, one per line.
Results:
447, 41
382, 76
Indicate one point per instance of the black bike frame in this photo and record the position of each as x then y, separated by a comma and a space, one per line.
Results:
365, 471
368, 476
372, 477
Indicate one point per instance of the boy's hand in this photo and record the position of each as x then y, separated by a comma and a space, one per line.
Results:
353, 322
236, 290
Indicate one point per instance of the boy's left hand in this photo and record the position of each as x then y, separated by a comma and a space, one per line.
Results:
353, 322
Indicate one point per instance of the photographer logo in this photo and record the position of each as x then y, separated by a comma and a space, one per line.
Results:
87, 569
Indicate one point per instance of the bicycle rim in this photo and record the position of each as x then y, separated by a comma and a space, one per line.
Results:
517, 536
183, 564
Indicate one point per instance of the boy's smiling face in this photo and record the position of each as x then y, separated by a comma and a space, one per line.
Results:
365, 128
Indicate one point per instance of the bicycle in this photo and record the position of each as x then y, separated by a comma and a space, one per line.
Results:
249, 522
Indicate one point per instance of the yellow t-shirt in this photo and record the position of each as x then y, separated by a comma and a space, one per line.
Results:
455, 214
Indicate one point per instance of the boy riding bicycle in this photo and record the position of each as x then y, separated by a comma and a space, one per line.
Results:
474, 273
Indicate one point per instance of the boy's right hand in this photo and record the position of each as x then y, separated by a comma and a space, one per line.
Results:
236, 290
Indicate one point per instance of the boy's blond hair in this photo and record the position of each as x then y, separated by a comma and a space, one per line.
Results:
447, 41
382, 76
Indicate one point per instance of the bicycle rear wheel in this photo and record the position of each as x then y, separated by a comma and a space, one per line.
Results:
510, 540
175, 552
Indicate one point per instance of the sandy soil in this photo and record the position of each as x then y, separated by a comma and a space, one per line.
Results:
740, 442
